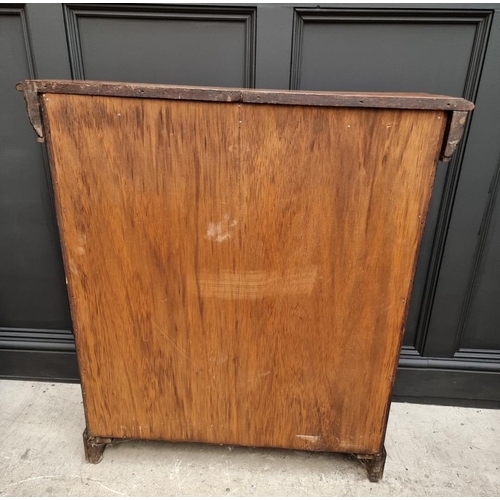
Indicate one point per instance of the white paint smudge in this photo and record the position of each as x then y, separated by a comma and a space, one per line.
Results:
221, 230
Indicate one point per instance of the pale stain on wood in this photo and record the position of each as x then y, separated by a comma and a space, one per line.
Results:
254, 284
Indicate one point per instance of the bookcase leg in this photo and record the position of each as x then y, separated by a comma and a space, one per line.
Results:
374, 464
94, 447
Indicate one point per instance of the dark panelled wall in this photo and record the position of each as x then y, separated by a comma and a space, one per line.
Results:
451, 347
34, 313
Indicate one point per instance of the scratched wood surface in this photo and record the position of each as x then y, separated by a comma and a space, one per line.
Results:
239, 273
399, 100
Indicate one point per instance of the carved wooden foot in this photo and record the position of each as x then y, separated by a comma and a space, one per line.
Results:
94, 447
374, 465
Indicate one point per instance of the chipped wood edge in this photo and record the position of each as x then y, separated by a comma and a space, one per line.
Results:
252, 96
454, 134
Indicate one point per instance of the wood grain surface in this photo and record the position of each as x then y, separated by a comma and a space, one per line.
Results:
239, 273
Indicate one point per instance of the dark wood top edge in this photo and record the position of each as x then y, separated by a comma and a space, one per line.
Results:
226, 94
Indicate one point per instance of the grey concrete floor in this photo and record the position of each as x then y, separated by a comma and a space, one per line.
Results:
432, 451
